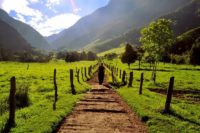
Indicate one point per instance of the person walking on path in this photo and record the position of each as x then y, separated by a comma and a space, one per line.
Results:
101, 73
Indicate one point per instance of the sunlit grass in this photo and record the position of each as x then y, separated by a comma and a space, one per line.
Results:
40, 116
149, 106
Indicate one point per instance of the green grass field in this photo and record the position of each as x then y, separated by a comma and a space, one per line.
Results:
39, 116
185, 116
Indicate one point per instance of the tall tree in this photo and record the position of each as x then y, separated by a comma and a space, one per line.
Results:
129, 56
156, 39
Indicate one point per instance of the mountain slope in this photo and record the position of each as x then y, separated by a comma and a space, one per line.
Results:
112, 20
185, 41
10, 39
27, 32
185, 18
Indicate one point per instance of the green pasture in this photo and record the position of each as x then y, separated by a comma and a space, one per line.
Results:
38, 78
185, 109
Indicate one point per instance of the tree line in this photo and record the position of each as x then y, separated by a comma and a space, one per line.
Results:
160, 45
24, 56
72, 56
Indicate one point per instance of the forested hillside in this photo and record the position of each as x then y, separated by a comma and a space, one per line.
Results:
112, 21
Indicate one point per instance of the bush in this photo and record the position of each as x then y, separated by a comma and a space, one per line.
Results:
22, 97
195, 53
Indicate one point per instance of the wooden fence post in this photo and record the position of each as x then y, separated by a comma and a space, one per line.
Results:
113, 78
124, 77
27, 67
89, 71
56, 90
120, 74
12, 102
82, 73
72, 82
78, 73
141, 83
169, 95
86, 73
130, 79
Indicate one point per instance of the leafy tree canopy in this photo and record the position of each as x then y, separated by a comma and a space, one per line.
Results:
157, 38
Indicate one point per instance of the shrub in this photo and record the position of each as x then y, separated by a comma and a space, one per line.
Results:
22, 97
195, 53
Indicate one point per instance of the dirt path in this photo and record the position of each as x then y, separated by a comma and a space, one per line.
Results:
102, 111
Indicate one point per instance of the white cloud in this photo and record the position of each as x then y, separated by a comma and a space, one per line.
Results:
20, 18
41, 22
33, 1
51, 3
57, 23
20, 6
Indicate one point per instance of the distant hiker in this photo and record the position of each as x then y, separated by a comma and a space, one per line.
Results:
101, 73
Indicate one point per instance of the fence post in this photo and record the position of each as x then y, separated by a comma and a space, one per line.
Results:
124, 77
86, 73
12, 102
27, 67
89, 70
56, 90
169, 95
72, 82
130, 79
78, 73
141, 83
82, 73
120, 74
113, 78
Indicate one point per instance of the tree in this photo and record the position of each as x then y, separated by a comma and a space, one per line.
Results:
195, 53
156, 39
129, 56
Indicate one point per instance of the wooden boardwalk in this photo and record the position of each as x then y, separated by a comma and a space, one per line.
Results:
102, 111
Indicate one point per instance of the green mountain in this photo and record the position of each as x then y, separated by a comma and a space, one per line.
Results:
10, 39
185, 41
109, 22
186, 17
27, 32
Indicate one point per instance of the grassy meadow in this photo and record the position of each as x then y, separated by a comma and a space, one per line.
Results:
39, 116
185, 106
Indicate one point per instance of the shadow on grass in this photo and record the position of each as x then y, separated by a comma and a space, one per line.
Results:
159, 70
191, 69
8, 126
181, 117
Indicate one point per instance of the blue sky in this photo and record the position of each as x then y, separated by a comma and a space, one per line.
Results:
50, 16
